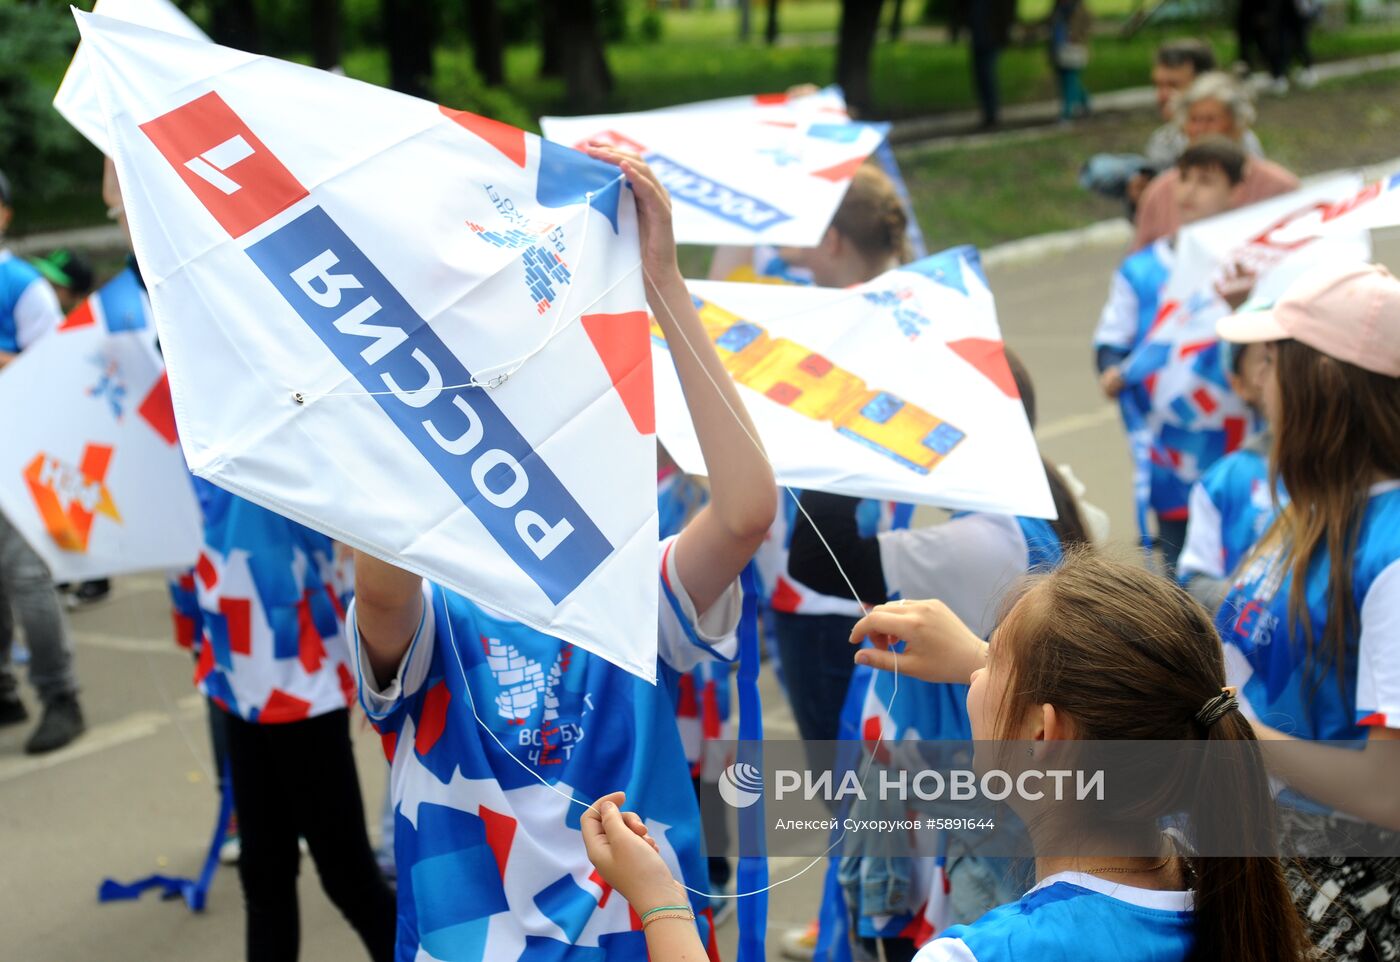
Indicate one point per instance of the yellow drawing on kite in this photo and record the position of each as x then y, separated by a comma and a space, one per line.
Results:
811, 385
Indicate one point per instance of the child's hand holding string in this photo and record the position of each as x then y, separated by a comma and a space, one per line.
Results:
938, 647
626, 856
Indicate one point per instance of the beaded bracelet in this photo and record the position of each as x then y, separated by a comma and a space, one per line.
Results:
667, 912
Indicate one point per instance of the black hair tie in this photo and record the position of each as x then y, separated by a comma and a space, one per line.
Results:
1216, 708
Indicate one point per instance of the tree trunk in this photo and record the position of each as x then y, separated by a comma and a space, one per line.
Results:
551, 57
408, 35
770, 30
897, 20
745, 20
860, 20
234, 23
587, 79
484, 16
325, 33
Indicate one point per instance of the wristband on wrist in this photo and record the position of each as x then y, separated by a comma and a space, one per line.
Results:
667, 912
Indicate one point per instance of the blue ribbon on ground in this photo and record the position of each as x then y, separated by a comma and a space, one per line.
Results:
195, 892
753, 870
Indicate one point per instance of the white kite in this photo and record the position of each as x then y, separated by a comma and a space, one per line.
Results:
77, 99
895, 389
91, 472
742, 170
417, 330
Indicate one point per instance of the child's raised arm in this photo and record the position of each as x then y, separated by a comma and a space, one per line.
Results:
717, 544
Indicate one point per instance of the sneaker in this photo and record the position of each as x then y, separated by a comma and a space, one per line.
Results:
1307, 78
61, 723
231, 848
1278, 86
230, 851
88, 593
800, 944
12, 711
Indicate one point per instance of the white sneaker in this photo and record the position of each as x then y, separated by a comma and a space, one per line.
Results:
1307, 78
1278, 86
230, 851
800, 944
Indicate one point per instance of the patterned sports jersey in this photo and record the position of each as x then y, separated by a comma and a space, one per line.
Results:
491, 863
1231, 507
28, 306
1133, 296
272, 612
922, 711
1266, 651
1073, 917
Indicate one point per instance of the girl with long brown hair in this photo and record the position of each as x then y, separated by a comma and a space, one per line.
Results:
1096, 650
1312, 623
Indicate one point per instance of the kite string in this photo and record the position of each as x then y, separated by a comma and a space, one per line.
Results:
588, 806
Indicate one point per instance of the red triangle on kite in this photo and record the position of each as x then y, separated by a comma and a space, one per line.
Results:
842, 171
989, 357
623, 343
505, 138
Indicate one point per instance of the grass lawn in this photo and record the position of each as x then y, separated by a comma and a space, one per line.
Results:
992, 193
912, 77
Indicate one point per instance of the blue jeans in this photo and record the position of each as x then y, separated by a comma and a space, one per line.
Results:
26, 584
818, 660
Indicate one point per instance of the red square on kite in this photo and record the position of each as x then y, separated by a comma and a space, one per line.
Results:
230, 170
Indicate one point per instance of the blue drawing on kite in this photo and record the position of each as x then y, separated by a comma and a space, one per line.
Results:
109, 387
911, 322
543, 270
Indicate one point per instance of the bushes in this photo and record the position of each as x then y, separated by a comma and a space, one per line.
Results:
458, 85
46, 160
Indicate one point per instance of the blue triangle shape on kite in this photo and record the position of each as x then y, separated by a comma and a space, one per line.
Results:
566, 176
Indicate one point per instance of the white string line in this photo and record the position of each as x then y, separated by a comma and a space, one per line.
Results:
588, 806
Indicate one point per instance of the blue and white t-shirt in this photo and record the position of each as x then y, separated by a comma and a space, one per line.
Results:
1074, 917
1266, 653
491, 864
28, 305
1133, 297
1231, 507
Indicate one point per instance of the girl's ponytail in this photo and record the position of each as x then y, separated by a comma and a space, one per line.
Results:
1244, 910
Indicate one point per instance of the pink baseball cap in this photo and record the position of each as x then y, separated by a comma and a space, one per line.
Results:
1349, 312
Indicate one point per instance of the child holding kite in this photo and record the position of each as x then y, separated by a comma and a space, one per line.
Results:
1209, 173
487, 839
1095, 651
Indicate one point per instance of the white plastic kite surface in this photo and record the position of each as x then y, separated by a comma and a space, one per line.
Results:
77, 99
897, 389
91, 472
332, 265
743, 170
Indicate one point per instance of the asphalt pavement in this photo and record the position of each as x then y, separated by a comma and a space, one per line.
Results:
134, 796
